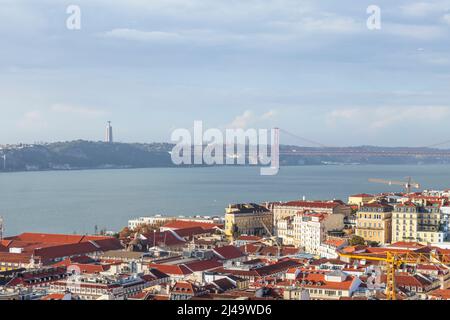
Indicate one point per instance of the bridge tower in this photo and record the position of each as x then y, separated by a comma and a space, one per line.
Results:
1, 228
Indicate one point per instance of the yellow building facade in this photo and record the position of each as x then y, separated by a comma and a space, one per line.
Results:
248, 219
360, 199
374, 222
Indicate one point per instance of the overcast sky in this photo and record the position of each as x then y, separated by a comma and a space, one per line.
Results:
150, 66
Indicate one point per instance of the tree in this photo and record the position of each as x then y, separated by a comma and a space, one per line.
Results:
124, 233
149, 228
373, 244
357, 241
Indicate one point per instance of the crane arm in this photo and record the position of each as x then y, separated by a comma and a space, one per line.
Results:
363, 257
390, 182
412, 258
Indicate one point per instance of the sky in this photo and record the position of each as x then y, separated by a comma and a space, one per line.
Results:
312, 68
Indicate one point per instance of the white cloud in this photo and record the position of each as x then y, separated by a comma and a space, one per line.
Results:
249, 118
385, 117
32, 120
244, 120
269, 115
76, 110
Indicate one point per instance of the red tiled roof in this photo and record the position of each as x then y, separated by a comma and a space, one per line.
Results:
409, 245
427, 267
442, 294
192, 231
55, 238
407, 204
51, 246
39, 277
352, 249
335, 242
228, 252
179, 270
66, 250
311, 204
107, 243
203, 265
362, 195
54, 296
318, 280
89, 268
329, 261
181, 224
277, 267
406, 280
15, 257
185, 288
165, 238
139, 296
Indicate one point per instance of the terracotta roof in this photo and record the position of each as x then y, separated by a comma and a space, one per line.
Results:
228, 252
139, 296
55, 238
190, 232
377, 205
54, 296
185, 287
276, 267
335, 242
51, 246
351, 249
406, 280
178, 270
38, 277
89, 268
165, 238
15, 257
407, 204
311, 204
441, 294
66, 250
318, 281
181, 224
362, 195
249, 238
197, 266
427, 267
409, 245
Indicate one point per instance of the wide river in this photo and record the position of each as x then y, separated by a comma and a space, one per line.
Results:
76, 201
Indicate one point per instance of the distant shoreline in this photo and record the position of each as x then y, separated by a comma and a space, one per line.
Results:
225, 166
89, 155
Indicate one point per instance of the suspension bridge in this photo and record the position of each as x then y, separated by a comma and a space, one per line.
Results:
310, 147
